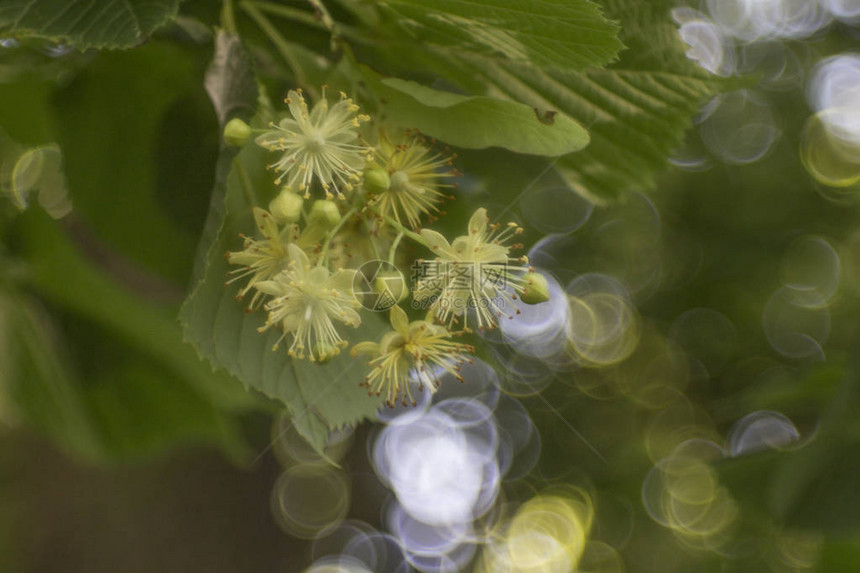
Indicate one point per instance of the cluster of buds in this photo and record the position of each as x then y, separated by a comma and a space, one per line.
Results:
300, 265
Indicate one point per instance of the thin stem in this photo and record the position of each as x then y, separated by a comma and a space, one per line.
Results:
288, 12
367, 14
333, 232
275, 37
247, 186
323, 15
411, 234
394, 245
307, 19
228, 17
373, 245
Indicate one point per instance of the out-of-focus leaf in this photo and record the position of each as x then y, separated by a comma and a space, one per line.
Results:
319, 397
477, 122
40, 170
821, 498
141, 406
813, 487
840, 555
87, 23
22, 115
187, 151
35, 384
108, 120
828, 502
135, 365
559, 34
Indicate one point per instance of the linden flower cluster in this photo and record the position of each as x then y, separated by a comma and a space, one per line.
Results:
300, 266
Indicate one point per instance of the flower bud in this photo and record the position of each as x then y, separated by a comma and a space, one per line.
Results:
391, 287
237, 132
377, 180
286, 207
324, 213
535, 289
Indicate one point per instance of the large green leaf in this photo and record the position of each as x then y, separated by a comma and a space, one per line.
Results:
110, 125
123, 383
87, 23
319, 397
813, 487
556, 34
35, 383
22, 115
636, 111
478, 122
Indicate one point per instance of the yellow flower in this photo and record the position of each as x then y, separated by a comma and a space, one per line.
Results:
476, 272
412, 187
419, 347
318, 144
306, 299
261, 259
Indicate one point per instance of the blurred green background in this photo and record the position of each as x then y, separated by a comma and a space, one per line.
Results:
121, 450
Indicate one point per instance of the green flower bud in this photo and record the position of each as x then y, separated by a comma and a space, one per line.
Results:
391, 286
286, 207
324, 213
535, 290
237, 132
377, 180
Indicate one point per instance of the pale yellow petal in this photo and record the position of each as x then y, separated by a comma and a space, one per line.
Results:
273, 288
271, 140
436, 242
342, 280
366, 347
297, 105
478, 222
298, 256
399, 320
266, 223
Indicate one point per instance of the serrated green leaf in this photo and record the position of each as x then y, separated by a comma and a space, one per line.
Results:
319, 397
636, 118
478, 122
553, 34
636, 111
87, 23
